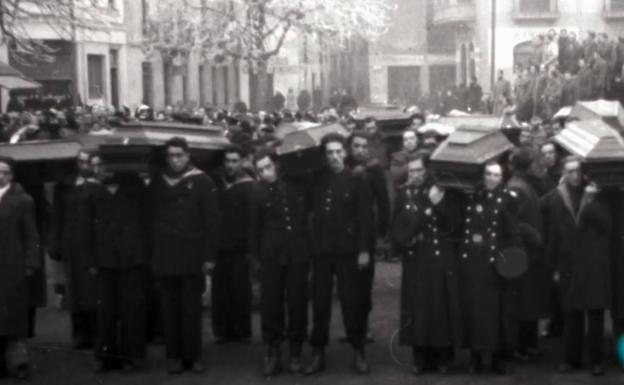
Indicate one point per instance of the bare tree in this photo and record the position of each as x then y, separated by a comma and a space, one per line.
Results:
64, 17
254, 31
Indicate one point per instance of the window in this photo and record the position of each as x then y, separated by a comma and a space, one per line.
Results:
617, 6
148, 85
95, 71
534, 6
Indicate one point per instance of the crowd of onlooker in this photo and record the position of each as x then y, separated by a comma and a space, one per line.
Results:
561, 70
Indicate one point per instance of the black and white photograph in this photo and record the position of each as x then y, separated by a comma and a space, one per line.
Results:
312, 192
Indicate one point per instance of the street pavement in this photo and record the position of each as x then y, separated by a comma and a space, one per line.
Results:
236, 364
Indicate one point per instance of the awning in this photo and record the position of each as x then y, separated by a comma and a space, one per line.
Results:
12, 79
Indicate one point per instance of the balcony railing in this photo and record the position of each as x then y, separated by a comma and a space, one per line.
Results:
532, 10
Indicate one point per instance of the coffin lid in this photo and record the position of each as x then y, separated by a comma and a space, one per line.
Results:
157, 133
593, 140
288, 128
609, 111
308, 138
472, 145
387, 114
41, 150
487, 121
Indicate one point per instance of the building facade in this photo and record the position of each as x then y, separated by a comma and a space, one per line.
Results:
468, 26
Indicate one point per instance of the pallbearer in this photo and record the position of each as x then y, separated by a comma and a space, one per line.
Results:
184, 222
341, 230
121, 263
278, 241
427, 220
360, 163
18, 260
74, 244
489, 228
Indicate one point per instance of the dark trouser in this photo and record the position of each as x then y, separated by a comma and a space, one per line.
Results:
231, 297
3, 364
84, 324
527, 335
430, 357
284, 290
181, 298
574, 334
555, 327
121, 314
345, 268
367, 279
154, 321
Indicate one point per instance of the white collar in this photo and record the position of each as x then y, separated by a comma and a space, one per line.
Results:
3, 190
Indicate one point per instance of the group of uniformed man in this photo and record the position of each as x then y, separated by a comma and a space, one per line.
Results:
119, 234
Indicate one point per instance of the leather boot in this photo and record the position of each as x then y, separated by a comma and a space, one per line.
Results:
272, 362
318, 363
360, 366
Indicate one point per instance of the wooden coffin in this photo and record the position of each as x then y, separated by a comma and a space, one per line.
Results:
458, 162
390, 121
42, 161
600, 145
137, 146
300, 151
611, 112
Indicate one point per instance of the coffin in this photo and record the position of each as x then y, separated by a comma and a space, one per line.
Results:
42, 161
300, 150
391, 121
506, 123
601, 147
610, 112
458, 162
138, 146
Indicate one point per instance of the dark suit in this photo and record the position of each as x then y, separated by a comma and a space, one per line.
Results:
231, 281
19, 243
579, 248
184, 220
376, 177
278, 239
75, 243
121, 260
341, 228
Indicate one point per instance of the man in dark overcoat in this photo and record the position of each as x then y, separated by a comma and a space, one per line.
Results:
231, 281
360, 163
426, 224
340, 237
184, 220
121, 263
586, 82
616, 200
579, 246
19, 259
531, 290
490, 227
74, 244
279, 243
